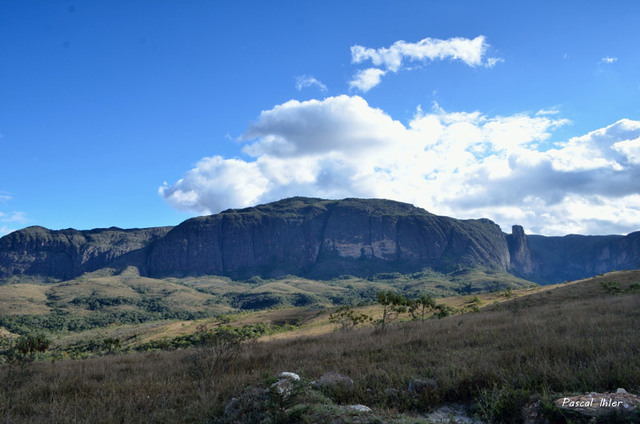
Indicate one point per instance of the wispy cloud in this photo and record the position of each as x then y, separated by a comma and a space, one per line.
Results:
305, 81
11, 218
19, 217
609, 60
463, 164
471, 52
493, 61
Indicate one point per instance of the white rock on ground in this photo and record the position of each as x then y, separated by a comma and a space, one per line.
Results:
359, 408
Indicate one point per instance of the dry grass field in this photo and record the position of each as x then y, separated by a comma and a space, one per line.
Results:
571, 338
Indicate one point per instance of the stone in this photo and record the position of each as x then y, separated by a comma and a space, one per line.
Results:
289, 375
359, 408
600, 404
284, 386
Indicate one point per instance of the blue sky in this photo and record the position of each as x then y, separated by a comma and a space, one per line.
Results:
145, 113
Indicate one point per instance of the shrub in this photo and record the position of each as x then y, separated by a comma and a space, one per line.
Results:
444, 311
611, 287
347, 319
633, 288
24, 348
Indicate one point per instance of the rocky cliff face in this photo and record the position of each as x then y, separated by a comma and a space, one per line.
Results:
319, 239
520, 250
66, 254
572, 257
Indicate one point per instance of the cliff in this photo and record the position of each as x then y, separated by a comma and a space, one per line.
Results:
323, 239
572, 257
65, 254
319, 239
520, 251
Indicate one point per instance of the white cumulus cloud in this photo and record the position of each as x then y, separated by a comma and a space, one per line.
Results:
215, 183
461, 164
609, 60
366, 79
471, 52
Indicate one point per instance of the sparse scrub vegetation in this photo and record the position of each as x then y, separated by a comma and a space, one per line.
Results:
567, 340
611, 287
347, 319
614, 288
22, 349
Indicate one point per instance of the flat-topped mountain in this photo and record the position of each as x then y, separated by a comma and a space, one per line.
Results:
326, 238
65, 254
315, 238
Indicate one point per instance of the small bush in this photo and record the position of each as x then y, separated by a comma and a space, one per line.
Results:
611, 287
633, 288
24, 348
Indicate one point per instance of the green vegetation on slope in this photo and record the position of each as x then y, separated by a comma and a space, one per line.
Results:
107, 297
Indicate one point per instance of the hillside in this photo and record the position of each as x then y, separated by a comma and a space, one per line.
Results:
118, 298
316, 239
503, 364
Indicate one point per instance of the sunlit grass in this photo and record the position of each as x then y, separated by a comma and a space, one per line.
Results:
572, 338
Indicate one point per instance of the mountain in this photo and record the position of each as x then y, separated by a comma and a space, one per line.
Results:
326, 238
572, 257
64, 254
315, 238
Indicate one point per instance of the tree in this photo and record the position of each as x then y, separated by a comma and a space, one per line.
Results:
393, 305
347, 318
24, 348
420, 306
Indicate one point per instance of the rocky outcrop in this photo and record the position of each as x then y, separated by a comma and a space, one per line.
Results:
323, 239
556, 259
625, 406
65, 254
316, 238
285, 385
519, 250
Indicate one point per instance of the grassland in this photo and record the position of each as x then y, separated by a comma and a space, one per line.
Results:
118, 298
524, 346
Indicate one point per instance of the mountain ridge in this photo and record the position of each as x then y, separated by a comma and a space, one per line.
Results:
315, 238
